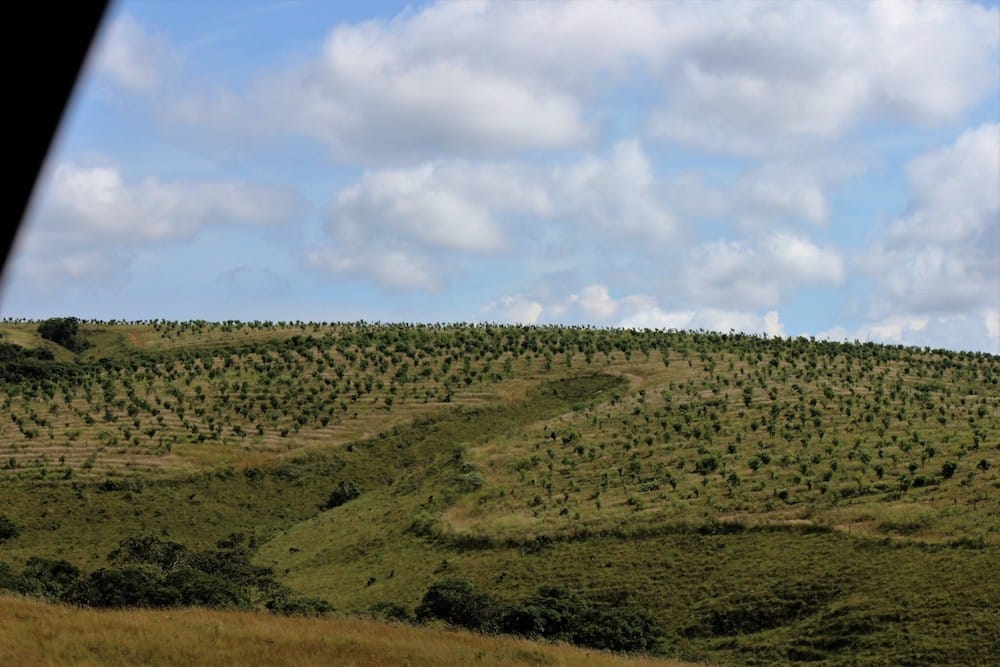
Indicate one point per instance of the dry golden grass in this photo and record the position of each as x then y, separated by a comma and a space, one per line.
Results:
36, 633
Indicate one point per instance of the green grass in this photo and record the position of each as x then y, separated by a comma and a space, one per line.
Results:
770, 501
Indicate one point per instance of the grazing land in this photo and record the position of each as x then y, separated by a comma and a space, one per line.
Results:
762, 501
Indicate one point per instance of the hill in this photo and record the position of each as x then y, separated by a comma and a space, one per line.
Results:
766, 500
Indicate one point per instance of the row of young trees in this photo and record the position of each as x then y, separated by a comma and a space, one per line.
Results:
764, 399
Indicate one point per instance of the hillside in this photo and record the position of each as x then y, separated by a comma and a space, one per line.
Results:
766, 500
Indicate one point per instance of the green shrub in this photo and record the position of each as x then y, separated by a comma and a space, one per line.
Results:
344, 492
199, 589
8, 529
48, 578
552, 614
63, 331
619, 629
131, 586
455, 602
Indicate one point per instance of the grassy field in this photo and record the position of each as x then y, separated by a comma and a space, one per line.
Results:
36, 633
768, 501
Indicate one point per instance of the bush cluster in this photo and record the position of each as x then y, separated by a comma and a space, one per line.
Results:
63, 331
146, 571
8, 529
552, 613
344, 491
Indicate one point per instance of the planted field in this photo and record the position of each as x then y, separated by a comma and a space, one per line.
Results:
765, 500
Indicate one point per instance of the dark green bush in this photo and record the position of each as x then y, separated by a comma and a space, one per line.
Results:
63, 331
618, 629
552, 613
148, 549
48, 578
344, 492
8, 529
131, 586
455, 602
198, 589
8, 580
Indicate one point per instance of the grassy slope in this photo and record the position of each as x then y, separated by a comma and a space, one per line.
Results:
41, 634
595, 478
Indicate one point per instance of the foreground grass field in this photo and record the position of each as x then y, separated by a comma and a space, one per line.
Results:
768, 501
40, 634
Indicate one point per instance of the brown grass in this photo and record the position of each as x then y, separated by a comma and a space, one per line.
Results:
36, 633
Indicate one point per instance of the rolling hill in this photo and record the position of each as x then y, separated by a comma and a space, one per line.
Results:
764, 500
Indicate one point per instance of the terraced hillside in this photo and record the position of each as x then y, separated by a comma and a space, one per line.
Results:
766, 500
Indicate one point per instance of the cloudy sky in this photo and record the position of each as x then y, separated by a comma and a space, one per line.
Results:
793, 168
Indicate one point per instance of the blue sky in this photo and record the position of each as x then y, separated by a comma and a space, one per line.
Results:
819, 169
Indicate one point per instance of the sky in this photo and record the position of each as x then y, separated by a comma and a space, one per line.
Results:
826, 169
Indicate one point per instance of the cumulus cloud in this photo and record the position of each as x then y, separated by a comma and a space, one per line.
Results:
618, 193
437, 212
453, 205
595, 301
89, 221
594, 305
757, 274
88, 203
765, 195
766, 78
482, 78
943, 256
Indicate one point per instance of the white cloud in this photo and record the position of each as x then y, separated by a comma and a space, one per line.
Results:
769, 78
515, 309
955, 332
132, 56
955, 190
991, 320
88, 222
451, 205
772, 324
943, 256
800, 261
595, 301
656, 318
481, 78
89, 203
709, 319
619, 193
780, 191
765, 195
437, 213
757, 274
594, 305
